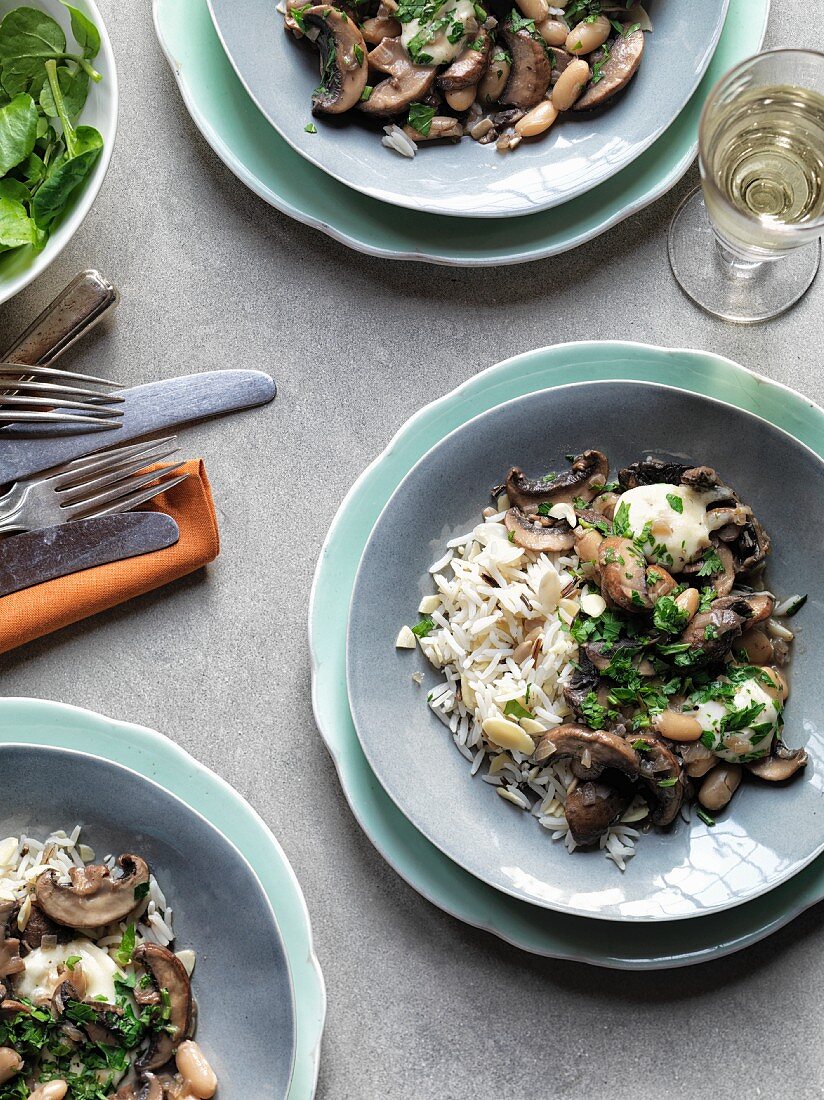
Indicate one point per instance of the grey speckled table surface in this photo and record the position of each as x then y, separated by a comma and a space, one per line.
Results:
420, 1006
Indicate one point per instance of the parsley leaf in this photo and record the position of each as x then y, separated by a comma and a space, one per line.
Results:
675, 502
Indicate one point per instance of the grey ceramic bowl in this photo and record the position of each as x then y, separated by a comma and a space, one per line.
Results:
246, 1022
768, 834
468, 179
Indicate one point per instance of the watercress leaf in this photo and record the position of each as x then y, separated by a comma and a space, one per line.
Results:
18, 131
28, 38
32, 170
14, 189
65, 175
75, 89
86, 33
16, 227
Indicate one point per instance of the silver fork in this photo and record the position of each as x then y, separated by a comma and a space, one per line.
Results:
97, 485
47, 395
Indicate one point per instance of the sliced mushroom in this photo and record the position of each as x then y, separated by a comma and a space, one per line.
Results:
624, 58
39, 925
598, 748
469, 66
531, 71
94, 898
382, 25
166, 972
710, 634
536, 532
584, 480
10, 961
591, 808
441, 126
780, 765
585, 681
652, 471
662, 778
559, 60
407, 83
624, 575
343, 67
149, 1088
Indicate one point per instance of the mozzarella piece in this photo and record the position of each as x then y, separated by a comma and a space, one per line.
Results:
439, 48
684, 535
747, 743
40, 978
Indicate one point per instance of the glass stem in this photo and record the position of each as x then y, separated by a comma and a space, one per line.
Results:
735, 266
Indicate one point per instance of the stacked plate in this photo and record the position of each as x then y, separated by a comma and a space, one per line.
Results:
692, 893
248, 88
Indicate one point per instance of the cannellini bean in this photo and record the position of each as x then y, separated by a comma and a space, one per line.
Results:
462, 99
53, 1090
494, 80
10, 1064
756, 645
719, 786
571, 83
677, 726
537, 10
508, 735
586, 36
538, 120
553, 31
689, 601
196, 1072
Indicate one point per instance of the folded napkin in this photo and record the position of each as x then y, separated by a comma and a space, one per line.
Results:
43, 608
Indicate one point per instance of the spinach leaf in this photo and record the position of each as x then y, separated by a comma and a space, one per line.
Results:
28, 39
65, 175
18, 131
16, 227
86, 33
75, 89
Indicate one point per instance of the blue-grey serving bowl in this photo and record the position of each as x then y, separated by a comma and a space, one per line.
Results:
768, 834
246, 1019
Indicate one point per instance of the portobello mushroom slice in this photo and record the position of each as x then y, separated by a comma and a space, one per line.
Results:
663, 782
149, 1088
343, 67
594, 750
652, 471
624, 575
165, 972
94, 898
584, 480
531, 71
591, 808
780, 765
711, 633
536, 532
469, 66
406, 83
625, 56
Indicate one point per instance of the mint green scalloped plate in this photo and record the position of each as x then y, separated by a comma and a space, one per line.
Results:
38, 722
628, 946
264, 162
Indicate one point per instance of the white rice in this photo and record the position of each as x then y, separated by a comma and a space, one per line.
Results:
399, 141
490, 598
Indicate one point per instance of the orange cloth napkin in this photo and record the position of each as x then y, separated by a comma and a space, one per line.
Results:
43, 608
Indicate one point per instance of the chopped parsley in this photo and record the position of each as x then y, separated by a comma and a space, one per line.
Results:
367, 91
420, 118
668, 616
424, 627
705, 817
620, 521
668, 782
72, 961
594, 714
711, 564
675, 502
358, 52
514, 709
310, 128
123, 955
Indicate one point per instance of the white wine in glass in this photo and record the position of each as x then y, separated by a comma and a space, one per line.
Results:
746, 246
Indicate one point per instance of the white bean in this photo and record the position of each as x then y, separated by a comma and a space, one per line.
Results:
462, 99
494, 80
10, 1063
537, 10
588, 36
197, 1074
53, 1090
553, 31
571, 83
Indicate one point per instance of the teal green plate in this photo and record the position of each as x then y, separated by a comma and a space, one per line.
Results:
36, 722
260, 158
649, 945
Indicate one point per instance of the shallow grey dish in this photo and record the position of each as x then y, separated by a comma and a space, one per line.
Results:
768, 834
468, 179
246, 1020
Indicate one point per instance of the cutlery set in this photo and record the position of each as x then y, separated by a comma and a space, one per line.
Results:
66, 488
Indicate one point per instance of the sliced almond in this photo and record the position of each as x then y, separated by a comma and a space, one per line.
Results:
593, 603
429, 604
549, 591
405, 639
508, 735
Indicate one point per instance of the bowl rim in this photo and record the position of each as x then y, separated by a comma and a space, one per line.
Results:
88, 196
374, 764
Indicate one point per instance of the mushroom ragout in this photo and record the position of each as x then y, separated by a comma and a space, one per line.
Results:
93, 1001
609, 647
439, 69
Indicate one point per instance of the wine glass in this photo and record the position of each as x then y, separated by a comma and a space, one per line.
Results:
745, 246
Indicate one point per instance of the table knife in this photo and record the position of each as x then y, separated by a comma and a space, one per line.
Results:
51, 552
153, 407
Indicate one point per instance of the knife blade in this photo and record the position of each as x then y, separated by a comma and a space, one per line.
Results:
147, 409
52, 552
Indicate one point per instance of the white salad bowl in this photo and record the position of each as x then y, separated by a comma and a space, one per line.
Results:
22, 266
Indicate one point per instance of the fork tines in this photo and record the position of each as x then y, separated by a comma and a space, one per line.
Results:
48, 395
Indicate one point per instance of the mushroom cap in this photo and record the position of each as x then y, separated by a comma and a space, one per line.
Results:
780, 765
584, 480
531, 71
166, 972
624, 59
624, 575
606, 750
536, 532
652, 471
468, 67
94, 898
726, 618
406, 83
591, 808
343, 64
660, 765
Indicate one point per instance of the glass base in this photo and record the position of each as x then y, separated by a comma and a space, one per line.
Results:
744, 293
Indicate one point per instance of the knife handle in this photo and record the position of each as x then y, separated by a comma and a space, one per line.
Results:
75, 311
